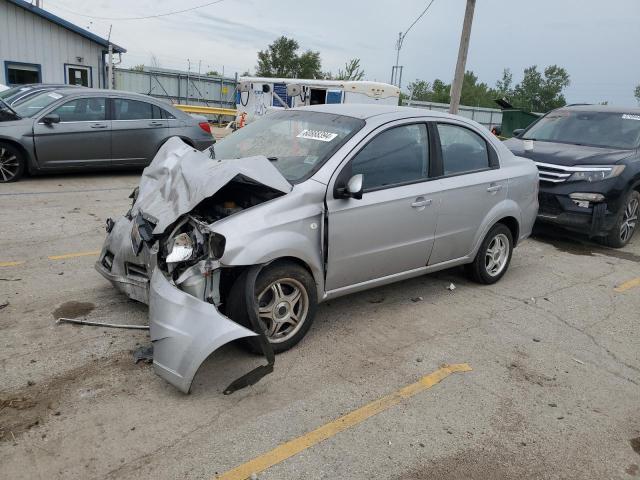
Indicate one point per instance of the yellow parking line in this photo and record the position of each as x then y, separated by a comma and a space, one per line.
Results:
10, 264
623, 287
297, 445
74, 255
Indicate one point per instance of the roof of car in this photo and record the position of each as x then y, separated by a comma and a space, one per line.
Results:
72, 90
601, 108
365, 111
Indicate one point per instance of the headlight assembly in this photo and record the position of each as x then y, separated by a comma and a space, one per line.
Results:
595, 174
181, 250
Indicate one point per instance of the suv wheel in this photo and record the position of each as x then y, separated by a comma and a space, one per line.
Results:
625, 226
287, 300
11, 163
493, 257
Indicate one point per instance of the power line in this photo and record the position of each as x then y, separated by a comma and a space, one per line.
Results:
417, 19
145, 17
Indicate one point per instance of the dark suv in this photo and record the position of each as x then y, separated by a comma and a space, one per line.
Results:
588, 160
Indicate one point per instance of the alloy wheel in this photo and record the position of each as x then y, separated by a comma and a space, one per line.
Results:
497, 254
283, 307
9, 164
629, 219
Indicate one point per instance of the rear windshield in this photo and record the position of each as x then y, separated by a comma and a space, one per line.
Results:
297, 142
33, 105
598, 129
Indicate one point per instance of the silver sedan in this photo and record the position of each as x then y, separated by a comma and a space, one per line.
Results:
83, 128
303, 206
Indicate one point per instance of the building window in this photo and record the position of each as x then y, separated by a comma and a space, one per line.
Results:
78, 75
20, 73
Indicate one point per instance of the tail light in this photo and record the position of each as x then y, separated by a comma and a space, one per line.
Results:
205, 126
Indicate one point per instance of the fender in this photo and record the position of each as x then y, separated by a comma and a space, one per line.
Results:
506, 208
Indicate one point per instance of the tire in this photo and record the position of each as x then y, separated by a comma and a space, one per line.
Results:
12, 163
625, 225
500, 240
275, 307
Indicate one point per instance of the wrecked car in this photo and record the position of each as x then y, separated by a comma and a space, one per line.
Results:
245, 239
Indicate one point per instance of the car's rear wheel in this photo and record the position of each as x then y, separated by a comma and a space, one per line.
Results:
626, 222
493, 257
286, 296
12, 163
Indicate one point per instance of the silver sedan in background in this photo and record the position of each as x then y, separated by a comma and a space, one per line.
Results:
80, 128
303, 206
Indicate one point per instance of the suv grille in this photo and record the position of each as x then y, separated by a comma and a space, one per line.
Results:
548, 203
553, 173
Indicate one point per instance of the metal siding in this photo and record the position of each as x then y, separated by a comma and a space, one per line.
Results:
172, 86
28, 38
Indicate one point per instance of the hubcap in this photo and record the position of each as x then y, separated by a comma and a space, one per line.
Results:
8, 164
629, 220
283, 307
497, 254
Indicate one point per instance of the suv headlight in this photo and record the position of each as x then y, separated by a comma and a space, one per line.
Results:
596, 174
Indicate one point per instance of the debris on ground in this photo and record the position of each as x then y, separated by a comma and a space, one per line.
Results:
10, 279
537, 340
578, 361
451, 287
4, 304
143, 354
377, 300
417, 299
101, 324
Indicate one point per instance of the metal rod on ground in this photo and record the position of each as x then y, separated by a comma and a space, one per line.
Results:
101, 324
456, 87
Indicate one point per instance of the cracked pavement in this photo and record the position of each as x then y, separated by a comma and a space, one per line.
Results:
553, 393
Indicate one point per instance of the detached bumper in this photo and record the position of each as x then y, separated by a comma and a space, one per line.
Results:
185, 331
128, 272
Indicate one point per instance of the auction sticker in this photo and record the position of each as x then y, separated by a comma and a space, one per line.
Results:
317, 135
628, 116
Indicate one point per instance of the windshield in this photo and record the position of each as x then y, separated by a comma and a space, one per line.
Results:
11, 93
33, 105
297, 142
598, 129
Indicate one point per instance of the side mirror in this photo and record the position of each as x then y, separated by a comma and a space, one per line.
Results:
51, 118
517, 132
353, 189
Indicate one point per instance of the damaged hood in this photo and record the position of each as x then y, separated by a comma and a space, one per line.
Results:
179, 178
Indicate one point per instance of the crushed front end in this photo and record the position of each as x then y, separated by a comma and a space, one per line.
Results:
164, 252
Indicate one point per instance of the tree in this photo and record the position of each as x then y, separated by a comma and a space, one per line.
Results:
309, 65
636, 93
212, 73
281, 59
351, 71
504, 86
137, 68
420, 90
540, 93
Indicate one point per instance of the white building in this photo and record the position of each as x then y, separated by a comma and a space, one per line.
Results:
39, 47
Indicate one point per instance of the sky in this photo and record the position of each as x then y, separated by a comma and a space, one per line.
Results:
595, 41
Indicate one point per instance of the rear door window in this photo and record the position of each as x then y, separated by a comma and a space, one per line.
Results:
126, 109
462, 150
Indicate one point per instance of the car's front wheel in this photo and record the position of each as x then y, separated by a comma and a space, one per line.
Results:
286, 297
493, 257
12, 163
626, 222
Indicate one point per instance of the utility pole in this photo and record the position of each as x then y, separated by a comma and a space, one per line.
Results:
456, 87
110, 72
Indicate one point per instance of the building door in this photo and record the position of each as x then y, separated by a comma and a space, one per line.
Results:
78, 75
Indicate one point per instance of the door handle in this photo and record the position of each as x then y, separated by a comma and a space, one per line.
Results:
155, 124
98, 125
494, 188
421, 202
